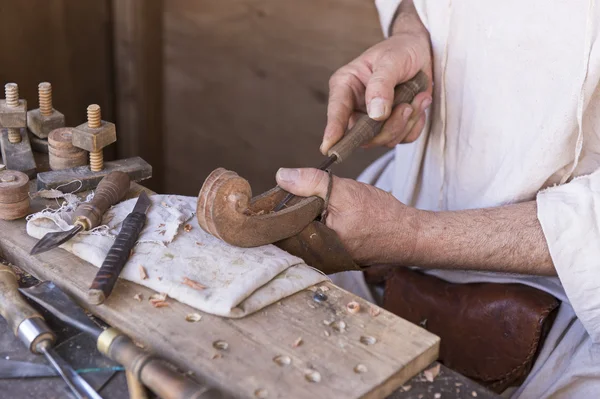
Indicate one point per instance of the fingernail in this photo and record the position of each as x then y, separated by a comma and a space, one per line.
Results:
287, 175
425, 104
376, 108
407, 113
321, 147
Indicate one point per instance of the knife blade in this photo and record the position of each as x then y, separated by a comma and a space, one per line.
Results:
119, 252
110, 191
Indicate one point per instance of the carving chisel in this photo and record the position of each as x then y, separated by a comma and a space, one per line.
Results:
157, 375
29, 326
118, 254
366, 128
87, 216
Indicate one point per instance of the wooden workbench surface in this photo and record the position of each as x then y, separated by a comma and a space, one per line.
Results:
247, 367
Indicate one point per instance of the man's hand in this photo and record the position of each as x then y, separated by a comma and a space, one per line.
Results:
372, 224
367, 84
376, 228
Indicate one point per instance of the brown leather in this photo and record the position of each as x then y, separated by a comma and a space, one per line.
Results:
489, 332
319, 247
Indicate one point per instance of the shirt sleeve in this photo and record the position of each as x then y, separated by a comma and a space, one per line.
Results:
387, 10
570, 219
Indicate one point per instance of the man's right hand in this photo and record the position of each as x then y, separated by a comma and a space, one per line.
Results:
368, 82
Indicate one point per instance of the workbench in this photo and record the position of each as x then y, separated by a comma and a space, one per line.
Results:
370, 356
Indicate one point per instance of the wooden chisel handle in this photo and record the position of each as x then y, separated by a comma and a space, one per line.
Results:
18, 312
157, 375
117, 257
109, 192
366, 128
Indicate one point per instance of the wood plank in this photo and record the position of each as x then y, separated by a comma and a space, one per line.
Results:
246, 84
138, 64
18, 156
247, 366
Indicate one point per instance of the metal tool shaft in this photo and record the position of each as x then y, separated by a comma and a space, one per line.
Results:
76, 383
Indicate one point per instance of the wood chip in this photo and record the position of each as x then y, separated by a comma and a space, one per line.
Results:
193, 317
297, 342
159, 304
199, 243
159, 278
374, 311
437, 395
138, 297
324, 288
327, 333
158, 297
406, 388
143, 274
216, 356
187, 228
474, 394
193, 284
458, 384
162, 232
431, 373
161, 225
353, 307
328, 322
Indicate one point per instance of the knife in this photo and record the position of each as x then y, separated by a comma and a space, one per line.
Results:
119, 252
110, 191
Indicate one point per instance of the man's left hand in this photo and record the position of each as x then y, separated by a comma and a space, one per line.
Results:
374, 226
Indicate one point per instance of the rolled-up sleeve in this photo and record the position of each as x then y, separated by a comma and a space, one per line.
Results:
570, 218
387, 10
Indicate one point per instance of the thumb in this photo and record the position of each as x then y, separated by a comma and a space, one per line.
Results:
303, 182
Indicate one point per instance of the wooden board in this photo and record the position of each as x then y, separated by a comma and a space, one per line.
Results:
18, 156
247, 368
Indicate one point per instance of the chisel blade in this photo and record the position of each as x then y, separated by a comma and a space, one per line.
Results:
17, 369
53, 240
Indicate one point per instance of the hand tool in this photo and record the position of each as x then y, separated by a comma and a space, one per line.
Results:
120, 251
156, 374
88, 215
17, 369
30, 327
366, 128
14, 140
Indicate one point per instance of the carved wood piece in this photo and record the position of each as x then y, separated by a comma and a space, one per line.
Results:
227, 210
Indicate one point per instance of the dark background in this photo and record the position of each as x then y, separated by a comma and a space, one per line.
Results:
192, 85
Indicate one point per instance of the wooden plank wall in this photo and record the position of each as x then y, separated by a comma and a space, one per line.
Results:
65, 42
246, 84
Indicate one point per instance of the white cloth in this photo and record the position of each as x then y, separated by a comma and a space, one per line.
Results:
238, 281
516, 114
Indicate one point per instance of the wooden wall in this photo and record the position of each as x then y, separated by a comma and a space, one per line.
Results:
193, 85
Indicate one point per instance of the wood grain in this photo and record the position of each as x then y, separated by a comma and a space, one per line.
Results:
247, 367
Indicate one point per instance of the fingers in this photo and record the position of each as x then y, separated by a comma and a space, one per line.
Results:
304, 182
379, 94
404, 122
342, 88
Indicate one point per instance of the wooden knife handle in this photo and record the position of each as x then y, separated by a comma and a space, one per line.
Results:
12, 305
116, 258
157, 375
110, 191
366, 128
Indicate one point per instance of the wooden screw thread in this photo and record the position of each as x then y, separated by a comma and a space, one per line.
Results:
11, 93
96, 161
94, 117
45, 98
14, 135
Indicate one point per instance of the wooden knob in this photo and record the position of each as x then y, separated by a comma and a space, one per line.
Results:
62, 153
14, 195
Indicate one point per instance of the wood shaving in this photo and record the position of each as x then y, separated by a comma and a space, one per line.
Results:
431, 373
339, 326
158, 297
161, 225
193, 284
297, 342
139, 344
374, 311
159, 278
143, 274
138, 297
324, 288
193, 317
216, 356
353, 307
437, 395
159, 304
164, 204
327, 333
458, 384
199, 243
406, 388
187, 228
474, 394
162, 232
261, 393
328, 322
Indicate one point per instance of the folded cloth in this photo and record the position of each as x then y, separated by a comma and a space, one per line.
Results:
172, 248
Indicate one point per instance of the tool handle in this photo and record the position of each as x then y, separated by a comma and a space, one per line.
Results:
157, 375
366, 128
12, 305
109, 192
116, 258
18, 312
